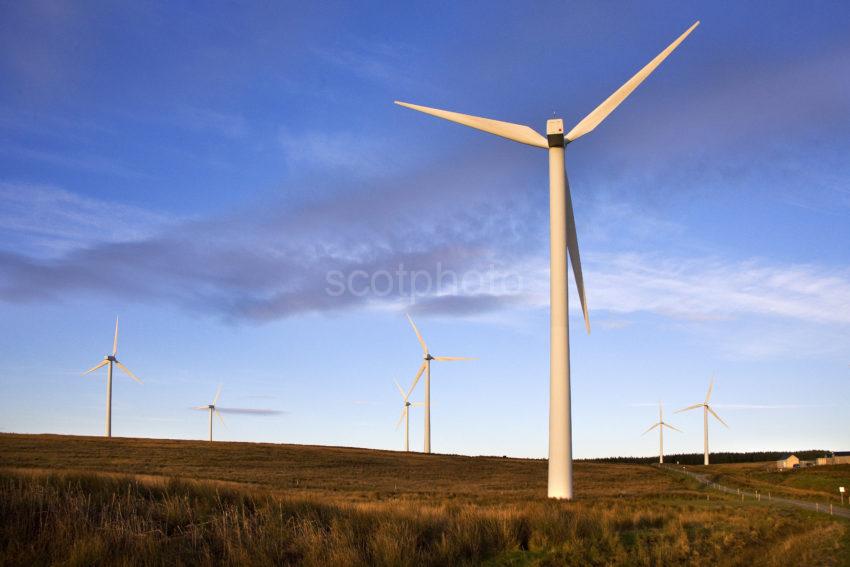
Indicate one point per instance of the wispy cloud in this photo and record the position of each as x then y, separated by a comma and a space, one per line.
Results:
43, 220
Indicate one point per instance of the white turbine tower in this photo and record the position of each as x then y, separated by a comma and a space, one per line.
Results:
562, 233
706, 409
215, 409
405, 415
111, 359
212, 409
426, 367
661, 425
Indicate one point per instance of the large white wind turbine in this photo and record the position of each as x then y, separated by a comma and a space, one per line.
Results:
661, 425
214, 409
562, 233
426, 367
111, 359
405, 415
706, 409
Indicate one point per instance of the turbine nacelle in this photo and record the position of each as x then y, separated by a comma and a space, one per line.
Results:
555, 133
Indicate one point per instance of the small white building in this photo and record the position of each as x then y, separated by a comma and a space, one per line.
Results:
788, 462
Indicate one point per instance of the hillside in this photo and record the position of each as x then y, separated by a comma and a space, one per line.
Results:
90, 501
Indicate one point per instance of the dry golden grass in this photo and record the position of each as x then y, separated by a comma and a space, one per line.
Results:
88, 501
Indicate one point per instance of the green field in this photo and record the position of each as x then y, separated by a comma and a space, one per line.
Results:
88, 501
818, 484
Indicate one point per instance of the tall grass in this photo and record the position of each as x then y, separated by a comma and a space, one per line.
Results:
93, 519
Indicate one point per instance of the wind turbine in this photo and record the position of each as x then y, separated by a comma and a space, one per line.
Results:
661, 425
562, 234
426, 367
111, 359
405, 415
706, 409
214, 409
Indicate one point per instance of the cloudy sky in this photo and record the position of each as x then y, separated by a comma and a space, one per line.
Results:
237, 185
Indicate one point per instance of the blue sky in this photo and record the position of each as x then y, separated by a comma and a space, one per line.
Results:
201, 172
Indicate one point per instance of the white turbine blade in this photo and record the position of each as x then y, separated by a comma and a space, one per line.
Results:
416, 379
592, 120
650, 429
401, 417
201, 407
710, 386
451, 358
127, 372
400, 390
575, 258
671, 427
516, 132
217, 394
418, 404
218, 413
93, 368
115, 338
715, 415
418, 335
695, 406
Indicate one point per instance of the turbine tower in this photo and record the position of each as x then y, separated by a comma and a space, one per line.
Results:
405, 415
706, 409
426, 367
111, 359
213, 408
562, 234
660, 425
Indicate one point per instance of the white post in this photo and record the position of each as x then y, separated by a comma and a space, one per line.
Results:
560, 435
661, 442
705, 432
109, 401
428, 404
406, 428
211, 416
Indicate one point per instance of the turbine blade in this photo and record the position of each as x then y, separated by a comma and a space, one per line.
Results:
710, 386
418, 335
575, 258
400, 391
93, 368
416, 379
127, 372
650, 429
592, 120
671, 427
397, 423
418, 404
218, 413
217, 394
516, 132
450, 358
115, 338
711, 411
201, 407
695, 406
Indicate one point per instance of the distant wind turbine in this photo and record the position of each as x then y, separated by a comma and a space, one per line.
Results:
706, 409
426, 367
562, 238
405, 415
661, 425
111, 359
214, 409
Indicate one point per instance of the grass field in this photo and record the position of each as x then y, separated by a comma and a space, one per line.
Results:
818, 484
88, 501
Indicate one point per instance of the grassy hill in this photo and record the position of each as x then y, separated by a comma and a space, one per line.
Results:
89, 501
